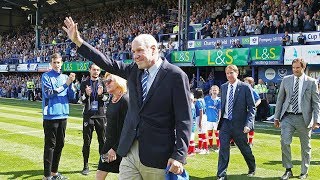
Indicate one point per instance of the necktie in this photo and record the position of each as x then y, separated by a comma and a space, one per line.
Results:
144, 81
294, 99
230, 103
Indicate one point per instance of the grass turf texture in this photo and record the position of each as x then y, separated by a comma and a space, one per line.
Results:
21, 149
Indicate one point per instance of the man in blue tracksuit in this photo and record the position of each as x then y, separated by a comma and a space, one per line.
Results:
57, 90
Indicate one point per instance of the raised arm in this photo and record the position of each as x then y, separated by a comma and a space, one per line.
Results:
91, 53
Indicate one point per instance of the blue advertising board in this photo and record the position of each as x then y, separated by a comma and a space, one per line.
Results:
246, 41
273, 73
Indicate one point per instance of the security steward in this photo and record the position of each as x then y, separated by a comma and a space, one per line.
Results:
30, 88
93, 96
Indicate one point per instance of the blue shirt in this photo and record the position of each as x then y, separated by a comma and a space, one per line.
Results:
200, 105
55, 95
256, 96
213, 106
193, 111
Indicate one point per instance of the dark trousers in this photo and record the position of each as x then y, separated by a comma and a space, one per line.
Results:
226, 133
262, 110
98, 125
54, 133
30, 95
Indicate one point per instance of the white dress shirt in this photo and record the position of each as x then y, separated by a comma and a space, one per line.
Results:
301, 80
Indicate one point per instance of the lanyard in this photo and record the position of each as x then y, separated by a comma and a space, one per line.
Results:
94, 89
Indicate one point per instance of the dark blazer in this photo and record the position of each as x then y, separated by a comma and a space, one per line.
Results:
154, 121
243, 107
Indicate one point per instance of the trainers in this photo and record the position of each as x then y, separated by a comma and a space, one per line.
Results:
191, 154
59, 177
197, 150
204, 151
47, 178
85, 171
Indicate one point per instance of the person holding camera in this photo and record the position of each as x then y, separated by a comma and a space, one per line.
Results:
94, 96
116, 112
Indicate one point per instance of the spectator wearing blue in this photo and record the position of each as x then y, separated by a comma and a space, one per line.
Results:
308, 24
57, 91
286, 40
301, 39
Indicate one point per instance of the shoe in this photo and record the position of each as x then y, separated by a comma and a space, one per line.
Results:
303, 176
222, 178
47, 178
59, 177
204, 151
191, 154
251, 145
197, 150
85, 171
216, 150
287, 175
251, 173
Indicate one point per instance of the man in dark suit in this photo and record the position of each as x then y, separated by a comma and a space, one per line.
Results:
237, 119
157, 127
298, 111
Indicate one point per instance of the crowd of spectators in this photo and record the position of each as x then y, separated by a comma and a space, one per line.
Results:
15, 85
112, 28
224, 19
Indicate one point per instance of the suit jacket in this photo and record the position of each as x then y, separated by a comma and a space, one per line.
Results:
243, 106
162, 123
309, 99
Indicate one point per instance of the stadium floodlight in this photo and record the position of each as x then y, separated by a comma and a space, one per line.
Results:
8, 8
51, 2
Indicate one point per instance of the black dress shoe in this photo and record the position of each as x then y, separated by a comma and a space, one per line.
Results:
287, 175
303, 176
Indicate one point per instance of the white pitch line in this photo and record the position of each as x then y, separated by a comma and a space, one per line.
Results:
69, 139
22, 132
37, 120
35, 155
36, 112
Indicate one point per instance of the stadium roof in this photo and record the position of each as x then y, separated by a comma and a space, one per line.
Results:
15, 12
49, 6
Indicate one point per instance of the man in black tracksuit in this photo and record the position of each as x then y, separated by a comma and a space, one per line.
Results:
94, 96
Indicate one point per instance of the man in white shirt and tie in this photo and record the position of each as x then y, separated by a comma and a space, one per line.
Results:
297, 109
